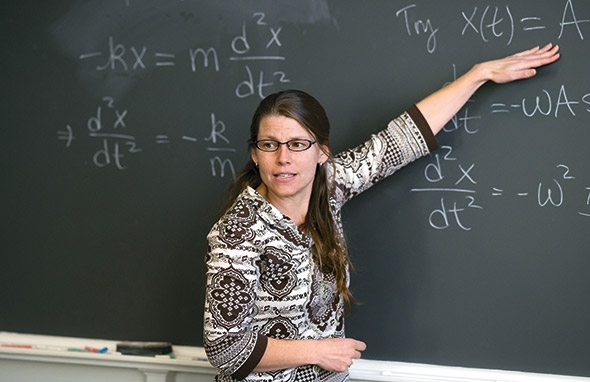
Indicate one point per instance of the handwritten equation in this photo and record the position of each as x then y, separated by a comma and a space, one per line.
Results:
115, 145
256, 61
452, 210
491, 23
108, 125
555, 102
121, 58
552, 103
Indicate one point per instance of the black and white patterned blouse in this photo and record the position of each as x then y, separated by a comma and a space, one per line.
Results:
261, 278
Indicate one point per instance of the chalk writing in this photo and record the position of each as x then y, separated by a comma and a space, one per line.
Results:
255, 84
131, 58
499, 23
569, 18
546, 104
490, 23
107, 126
120, 57
461, 120
548, 194
114, 145
419, 27
552, 193
456, 210
254, 52
67, 135
217, 162
587, 214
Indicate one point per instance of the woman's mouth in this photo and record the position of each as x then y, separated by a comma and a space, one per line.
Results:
284, 175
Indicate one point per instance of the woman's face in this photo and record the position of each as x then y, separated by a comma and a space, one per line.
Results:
287, 175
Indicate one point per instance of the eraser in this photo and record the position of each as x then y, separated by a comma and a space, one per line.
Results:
144, 348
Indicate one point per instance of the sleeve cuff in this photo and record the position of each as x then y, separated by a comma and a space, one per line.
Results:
423, 126
254, 359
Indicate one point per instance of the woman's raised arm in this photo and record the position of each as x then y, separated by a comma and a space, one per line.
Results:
439, 107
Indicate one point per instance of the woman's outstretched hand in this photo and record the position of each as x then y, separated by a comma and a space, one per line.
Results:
520, 65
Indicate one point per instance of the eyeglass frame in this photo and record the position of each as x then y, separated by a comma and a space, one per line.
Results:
287, 143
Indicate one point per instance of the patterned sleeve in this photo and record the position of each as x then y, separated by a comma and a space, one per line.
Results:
406, 138
231, 344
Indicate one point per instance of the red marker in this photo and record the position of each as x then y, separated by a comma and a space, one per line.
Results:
17, 346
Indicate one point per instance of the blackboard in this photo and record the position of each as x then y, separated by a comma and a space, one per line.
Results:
123, 122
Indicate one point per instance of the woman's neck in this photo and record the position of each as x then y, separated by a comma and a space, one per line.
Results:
296, 210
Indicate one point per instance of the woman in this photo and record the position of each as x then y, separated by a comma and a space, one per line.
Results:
277, 278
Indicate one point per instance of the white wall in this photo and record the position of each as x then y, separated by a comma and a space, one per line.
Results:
46, 364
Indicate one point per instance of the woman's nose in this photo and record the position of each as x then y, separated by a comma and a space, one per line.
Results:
283, 154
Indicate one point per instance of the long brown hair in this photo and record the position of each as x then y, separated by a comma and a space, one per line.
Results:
329, 251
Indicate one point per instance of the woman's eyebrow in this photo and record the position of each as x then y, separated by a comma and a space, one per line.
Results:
289, 139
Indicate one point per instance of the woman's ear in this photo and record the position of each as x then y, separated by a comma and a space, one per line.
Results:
324, 155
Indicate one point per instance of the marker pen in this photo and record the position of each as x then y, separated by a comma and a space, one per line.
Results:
96, 350
79, 350
16, 346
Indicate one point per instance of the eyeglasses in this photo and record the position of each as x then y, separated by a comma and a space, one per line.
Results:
271, 145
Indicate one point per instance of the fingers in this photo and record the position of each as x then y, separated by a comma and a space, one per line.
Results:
544, 56
548, 53
548, 47
523, 65
357, 349
338, 354
360, 346
549, 50
527, 52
